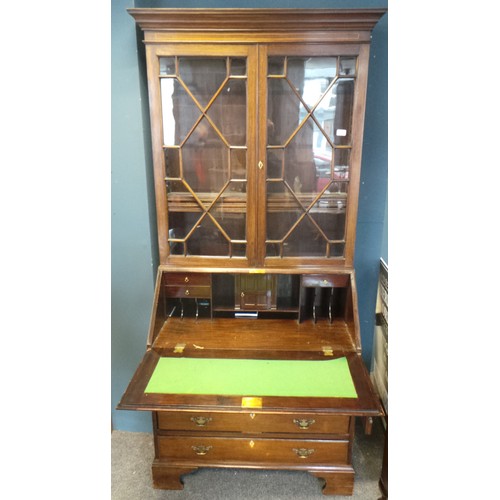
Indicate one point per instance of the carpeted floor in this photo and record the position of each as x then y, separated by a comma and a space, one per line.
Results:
132, 455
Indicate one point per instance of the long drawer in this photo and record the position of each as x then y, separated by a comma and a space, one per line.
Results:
252, 423
212, 450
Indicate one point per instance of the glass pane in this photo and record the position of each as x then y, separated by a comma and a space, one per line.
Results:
228, 112
207, 240
205, 159
341, 171
275, 163
203, 76
342, 111
167, 65
311, 76
283, 111
238, 163
239, 249
172, 162
305, 240
230, 211
283, 210
179, 112
238, 67
276, 66
308, 178
329, 215
180, 224
304, 164
347, 66
337, 249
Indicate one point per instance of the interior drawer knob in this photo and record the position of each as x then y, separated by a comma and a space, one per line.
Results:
201, 449
186, 279
303, 423
186, 292
304, 452
201, 421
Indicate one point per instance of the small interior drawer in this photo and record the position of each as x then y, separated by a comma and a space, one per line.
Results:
187, 279
325, 280
188, 292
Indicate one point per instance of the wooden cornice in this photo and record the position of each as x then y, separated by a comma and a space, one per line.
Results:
256, 20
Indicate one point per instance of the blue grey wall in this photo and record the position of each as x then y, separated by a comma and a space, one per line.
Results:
134, 249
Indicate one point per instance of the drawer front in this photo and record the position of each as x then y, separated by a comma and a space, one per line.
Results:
325, 280
197, 279
257, 450
186, 292
301, 423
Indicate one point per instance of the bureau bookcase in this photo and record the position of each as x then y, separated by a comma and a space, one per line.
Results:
253, 357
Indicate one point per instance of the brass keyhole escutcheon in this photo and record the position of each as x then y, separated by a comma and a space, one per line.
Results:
260, 165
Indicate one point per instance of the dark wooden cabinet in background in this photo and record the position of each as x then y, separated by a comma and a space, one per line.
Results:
257, 124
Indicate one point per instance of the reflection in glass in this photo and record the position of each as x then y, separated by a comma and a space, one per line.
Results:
310, 106
225, 211
238, 158
207, 240
179, 112
238, 67
347, 66
283, 111
167, 65
306, 239
232, 125
276, 66
172, 162
204, 130
202, 76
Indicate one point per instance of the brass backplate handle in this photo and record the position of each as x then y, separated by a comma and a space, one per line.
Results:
304, 452
303, 423
201, 421
201, 449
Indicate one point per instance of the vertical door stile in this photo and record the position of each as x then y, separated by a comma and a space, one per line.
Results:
262, 155
158, 158
252, 154
357, 144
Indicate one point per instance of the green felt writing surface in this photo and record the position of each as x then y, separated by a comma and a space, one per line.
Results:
251, 377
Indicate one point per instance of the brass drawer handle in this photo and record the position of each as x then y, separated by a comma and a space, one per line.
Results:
303, 423
201, 449
201, 421
186, 292
304, 452
186, 279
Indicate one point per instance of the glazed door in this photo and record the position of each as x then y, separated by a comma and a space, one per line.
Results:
314, 104
203, 127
